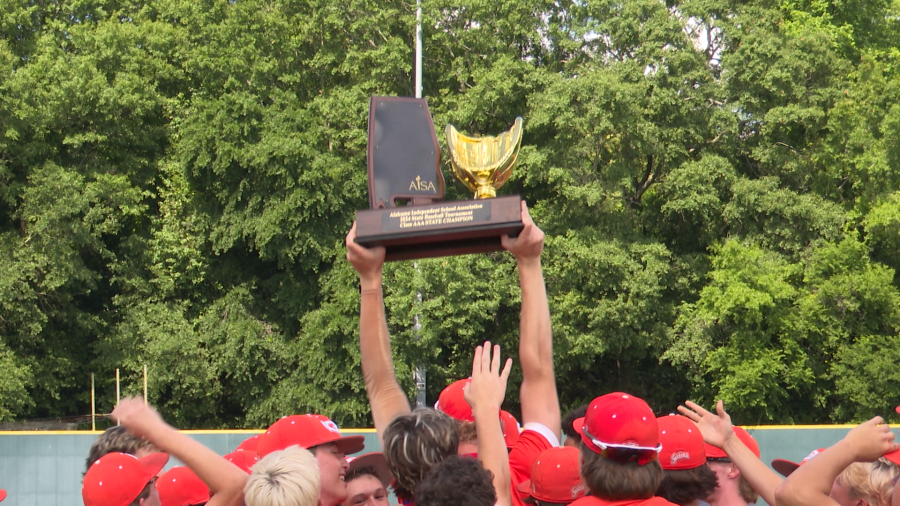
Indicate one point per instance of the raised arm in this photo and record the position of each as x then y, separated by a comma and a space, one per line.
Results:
810, 484
718, 431
485, 394
386, 398
540, 403
225, 480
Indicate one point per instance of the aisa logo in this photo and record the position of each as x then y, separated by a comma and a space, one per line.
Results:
328, 424
422, 186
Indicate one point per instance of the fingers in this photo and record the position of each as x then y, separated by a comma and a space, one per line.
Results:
507, 368
495, 362
351, 235
476, 361
693, 416
526, 216
698, 408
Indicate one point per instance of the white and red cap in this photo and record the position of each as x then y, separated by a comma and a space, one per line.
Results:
117, 479
244, 459
618, 420
306, 431
377, 462
180, 486
248, 444
717, 453
682, 443
452, 402
555, 476
786, 467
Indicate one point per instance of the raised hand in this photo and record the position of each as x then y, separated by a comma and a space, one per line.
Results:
366, 261
488, 386
530, 242
715, 428
870, 440
138, 418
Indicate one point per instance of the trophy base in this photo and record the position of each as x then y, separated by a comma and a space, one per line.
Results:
437, 230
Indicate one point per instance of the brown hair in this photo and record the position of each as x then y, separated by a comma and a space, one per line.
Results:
747, 492
143, 495
684, 486
417, 442
870, 481
613, 481
116, 439
457, 481
466, 431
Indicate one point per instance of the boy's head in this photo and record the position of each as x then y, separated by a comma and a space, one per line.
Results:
731, 484
458, 480
117, 439
554, 478
287, 477
121, 479
620, 446
367, 480
180, 486
322, 437
416, 443
573, 437
683, 459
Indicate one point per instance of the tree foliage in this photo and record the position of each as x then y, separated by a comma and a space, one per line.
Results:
719, 183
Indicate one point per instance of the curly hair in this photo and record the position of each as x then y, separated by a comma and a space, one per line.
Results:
567, 427
460, 481
684, 486
870, 481
116, 439
613, 481
416, 443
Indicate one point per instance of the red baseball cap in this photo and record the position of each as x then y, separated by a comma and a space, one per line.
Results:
554, 476
618, 420
179, 486
682, 443
377, 462
452, 402
2, 494
717, 453
786, 467
243, 459
248, 444
510, 428
117, 479
306, 431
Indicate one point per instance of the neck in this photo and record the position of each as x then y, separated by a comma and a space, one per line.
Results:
467, 448
324, 500
728, 500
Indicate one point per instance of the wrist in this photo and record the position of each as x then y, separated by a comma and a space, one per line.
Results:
370, 281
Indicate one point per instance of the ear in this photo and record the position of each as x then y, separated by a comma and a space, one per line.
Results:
734, 472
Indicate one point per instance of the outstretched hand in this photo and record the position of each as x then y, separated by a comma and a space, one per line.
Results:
487, 388
529, 244
715, 428
870, 440
366, 261
138, 418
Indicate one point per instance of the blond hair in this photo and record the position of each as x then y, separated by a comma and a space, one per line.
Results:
417, 442
289, 477
870, 481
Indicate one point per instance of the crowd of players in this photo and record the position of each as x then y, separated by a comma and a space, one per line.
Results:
467, 451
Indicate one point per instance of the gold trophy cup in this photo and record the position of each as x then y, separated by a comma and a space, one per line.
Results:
484, 164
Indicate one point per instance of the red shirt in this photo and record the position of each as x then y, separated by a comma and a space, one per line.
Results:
596, 501
521, 457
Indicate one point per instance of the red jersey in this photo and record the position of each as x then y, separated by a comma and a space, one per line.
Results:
530, 444
595, 501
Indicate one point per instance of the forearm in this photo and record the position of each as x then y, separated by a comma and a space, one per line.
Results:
492, 451
386, 398
810, 484
224, 479
762, 479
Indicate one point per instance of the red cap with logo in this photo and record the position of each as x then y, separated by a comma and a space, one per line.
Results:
786, 467
621, 421
243, 459
717, 453
117, 479
452, 402
179, 486
554, 476
306, 431
682, 443
510, 427
248, 444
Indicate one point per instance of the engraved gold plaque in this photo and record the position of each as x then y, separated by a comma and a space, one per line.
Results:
484, 164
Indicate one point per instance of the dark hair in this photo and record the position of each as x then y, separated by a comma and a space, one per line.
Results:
457, 481
466, 431
567, 427
115, 439
144, 493
353, 474
416, 443
613, 481
683, 486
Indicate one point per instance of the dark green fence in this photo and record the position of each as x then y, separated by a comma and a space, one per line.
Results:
45, 468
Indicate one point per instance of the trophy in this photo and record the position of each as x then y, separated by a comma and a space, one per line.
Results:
406, 186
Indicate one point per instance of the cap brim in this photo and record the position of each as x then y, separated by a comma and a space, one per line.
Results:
154, 462
349, 444
525, 488
377, 462
578, 425
784, 467
2, 494
893, 457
